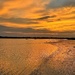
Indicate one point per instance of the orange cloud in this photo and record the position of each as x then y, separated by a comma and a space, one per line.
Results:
38, 14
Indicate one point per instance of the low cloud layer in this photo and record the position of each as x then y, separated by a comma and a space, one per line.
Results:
30, 32
18, 20
24, 30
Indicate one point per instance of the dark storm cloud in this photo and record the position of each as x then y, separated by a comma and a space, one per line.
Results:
60, 3
23, 30
18, 20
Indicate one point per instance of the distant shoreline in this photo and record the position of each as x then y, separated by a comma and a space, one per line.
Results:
37, 38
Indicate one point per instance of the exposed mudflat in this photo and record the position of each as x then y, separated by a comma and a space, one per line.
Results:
37, 57
60, 62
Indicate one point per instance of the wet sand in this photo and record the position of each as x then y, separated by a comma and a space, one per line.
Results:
61, 62
37, 57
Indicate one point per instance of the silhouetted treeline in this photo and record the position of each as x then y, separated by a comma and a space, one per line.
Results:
38, 37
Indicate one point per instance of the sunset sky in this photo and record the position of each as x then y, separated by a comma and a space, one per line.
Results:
37, 18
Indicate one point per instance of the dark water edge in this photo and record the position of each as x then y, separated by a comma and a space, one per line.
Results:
37, 38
